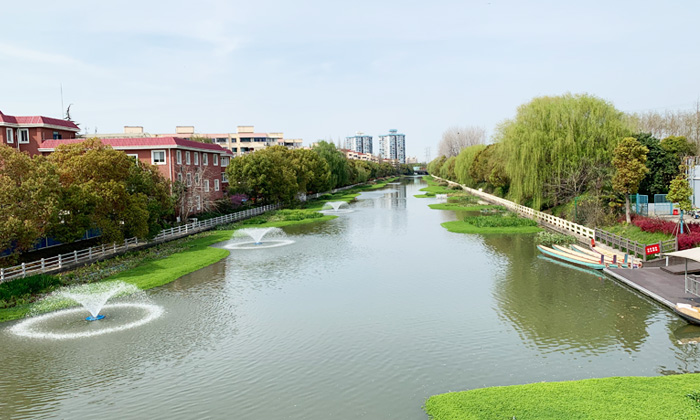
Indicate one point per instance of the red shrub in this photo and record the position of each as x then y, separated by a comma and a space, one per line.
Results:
689, 239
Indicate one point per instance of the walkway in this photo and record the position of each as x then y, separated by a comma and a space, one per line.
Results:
665, 288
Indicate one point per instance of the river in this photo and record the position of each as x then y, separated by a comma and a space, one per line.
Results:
364, 316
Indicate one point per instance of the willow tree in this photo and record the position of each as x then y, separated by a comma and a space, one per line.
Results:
552, 138
464, 163
629, 157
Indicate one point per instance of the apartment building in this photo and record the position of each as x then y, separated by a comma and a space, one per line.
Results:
27, 133
393, 146
199, 166
359, 143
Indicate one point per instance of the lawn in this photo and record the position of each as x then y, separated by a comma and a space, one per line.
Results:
636, 234
463, 207
659, 398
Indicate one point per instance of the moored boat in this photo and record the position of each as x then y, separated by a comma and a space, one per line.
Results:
688, 312
580, 261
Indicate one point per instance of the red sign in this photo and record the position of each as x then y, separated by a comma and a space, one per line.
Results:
652, 249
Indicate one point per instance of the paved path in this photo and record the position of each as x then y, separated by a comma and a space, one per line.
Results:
665, 288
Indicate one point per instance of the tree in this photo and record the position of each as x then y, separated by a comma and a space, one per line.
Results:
456, 138
312, 172
202, 139
337, 163
628, 158
464, 163
265, 175
94, 193
680, 192
28, 197
551, 136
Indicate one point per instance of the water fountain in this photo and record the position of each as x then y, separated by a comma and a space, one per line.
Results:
274, 237
93, 298
335, 207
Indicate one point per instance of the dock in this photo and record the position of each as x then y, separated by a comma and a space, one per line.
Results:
661, 286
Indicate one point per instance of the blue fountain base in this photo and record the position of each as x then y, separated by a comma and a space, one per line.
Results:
94, 318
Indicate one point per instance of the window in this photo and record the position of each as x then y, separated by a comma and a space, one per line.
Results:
135, 157
179, 177
216, 158
57, 135
199, 203
24, 135
187, 158
158, 157
189, 179
216, 185
206, 185
224, 177
224, 161
205, 159
196, 178
10, 135
196, 158
178, 157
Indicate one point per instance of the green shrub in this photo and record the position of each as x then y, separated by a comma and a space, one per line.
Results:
21, 291
456, 187
498, 220
552, 238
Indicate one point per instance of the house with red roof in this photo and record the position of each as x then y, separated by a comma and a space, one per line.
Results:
27, 133
199, 167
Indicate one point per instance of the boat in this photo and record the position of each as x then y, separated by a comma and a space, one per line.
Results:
688, 312
598, 259
579, 261
621, 260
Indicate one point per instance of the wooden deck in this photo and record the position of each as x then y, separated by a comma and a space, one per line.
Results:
665, 288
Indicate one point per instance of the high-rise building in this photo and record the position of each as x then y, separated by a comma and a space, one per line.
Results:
359, 143
393, 146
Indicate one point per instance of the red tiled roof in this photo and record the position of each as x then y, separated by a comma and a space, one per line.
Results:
38, 120
154, 142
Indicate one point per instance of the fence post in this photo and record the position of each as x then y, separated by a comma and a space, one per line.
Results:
103, 249
114, 247
2, 274
75, 256
60, 263
24, 270
43, 265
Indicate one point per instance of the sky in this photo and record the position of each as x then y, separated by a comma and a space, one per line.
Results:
328, 69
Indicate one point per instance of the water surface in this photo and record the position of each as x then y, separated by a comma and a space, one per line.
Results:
364, 316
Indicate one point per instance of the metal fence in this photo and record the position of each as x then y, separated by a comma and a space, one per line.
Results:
692, 284
633, 247
640, 204
661, 205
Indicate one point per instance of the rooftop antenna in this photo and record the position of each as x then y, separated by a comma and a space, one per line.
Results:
62, 108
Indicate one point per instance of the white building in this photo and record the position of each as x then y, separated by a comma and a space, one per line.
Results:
359, 143
393, 146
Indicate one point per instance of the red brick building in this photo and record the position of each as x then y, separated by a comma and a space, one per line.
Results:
201, 167
27, 133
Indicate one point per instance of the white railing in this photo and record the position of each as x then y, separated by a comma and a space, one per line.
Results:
103, 251
562, 224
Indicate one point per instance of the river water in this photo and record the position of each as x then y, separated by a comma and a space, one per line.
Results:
364, 316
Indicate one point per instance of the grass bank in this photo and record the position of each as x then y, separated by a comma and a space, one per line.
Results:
636, 234
146, 268
659, 398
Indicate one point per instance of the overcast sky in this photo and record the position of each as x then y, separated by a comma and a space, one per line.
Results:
327, 69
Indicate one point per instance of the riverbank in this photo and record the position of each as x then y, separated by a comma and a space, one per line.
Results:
165, 263
663, 397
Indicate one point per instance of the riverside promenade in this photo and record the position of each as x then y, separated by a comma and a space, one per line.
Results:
655, 283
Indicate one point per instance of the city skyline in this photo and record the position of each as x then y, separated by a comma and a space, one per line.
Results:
326, 71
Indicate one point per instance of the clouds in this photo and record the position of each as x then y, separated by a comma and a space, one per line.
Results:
315, 69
